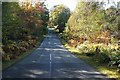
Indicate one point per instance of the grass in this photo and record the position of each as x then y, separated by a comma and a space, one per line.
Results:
103, 68
7, 64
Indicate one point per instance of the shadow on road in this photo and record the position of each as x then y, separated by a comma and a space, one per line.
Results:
52, 61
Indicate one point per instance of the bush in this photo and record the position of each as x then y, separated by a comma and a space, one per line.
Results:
6, 57
101, 51
88, 49
22, 49
103, 58
32, 43
14, 50
115, 60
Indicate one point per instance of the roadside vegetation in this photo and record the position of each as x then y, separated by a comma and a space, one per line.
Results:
23, 27
94, 60
91, 32
94, 32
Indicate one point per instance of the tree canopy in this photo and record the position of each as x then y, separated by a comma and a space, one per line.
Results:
59, 16
93, 23
22, 26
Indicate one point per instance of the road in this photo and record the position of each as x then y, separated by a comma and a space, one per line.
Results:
52, 60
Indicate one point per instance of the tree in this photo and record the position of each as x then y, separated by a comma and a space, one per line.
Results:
86, 21
59, 16
22, 26
11, 22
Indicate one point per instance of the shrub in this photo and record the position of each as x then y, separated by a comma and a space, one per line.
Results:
32, 43
88, 49
11, 48
103, 58
6, 57
22, 49
115, 60
24, 44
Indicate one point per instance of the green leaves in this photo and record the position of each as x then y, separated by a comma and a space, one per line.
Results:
90, 20
91, 23
21, 27
59, 16
115, 60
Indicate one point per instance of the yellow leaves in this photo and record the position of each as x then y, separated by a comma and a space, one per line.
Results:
29, 6
104, 37
73, 42
110, 72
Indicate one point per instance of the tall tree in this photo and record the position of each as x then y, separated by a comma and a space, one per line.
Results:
59, 16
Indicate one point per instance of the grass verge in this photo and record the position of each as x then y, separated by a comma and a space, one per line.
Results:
103, 68
7, 64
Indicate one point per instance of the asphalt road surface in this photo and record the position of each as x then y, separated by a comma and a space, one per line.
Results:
52, 60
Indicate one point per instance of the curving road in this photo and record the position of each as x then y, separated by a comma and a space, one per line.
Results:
52, 60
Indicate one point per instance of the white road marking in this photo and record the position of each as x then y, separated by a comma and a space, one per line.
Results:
50, 67
50, 57
50, 64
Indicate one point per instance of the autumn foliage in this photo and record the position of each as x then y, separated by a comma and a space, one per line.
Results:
95, 31
24, 25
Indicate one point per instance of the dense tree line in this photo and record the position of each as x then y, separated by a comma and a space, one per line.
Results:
91, 22
23, 25
95, 31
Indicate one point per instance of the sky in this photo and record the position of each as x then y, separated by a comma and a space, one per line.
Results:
69, 3
72, 3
